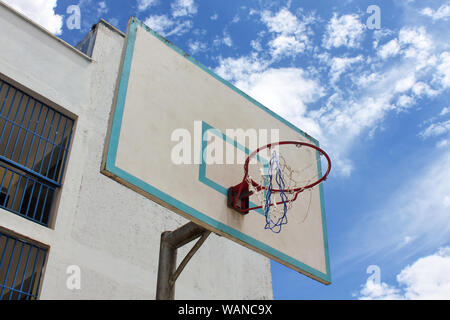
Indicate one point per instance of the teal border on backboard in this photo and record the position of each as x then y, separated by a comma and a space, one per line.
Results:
111, 157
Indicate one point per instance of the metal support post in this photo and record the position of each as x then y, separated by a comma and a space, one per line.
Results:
171, 241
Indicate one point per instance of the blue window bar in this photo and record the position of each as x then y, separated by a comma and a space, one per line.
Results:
21, 267
34, 144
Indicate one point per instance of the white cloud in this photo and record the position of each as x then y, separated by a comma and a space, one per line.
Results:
256, 45
102, 8
286, 46
291, 33
405, 83
286, 91
167, 27
426, 279
417, 37
180, 28
445, 111
436, 129
405, 101
441, 145
380, 34
145, 4
236, 19
390, 49
159, 23
368, 78
346, 30
444, 69
224, 40
379, 291
181, 8
348, 118
384, 88
175, 25
40, 11
349, 114
417, 44
422, 89
227, 40
239, 69
283, 22
443, 13
214, 16
340, 65
197, 46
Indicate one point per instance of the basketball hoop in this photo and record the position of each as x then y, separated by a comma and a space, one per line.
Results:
278, 185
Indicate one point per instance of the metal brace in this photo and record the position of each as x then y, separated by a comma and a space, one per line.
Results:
171, 241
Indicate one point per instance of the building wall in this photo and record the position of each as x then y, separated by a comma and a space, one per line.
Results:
109, 231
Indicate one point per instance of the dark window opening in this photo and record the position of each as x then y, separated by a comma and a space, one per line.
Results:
34, 144
21, 268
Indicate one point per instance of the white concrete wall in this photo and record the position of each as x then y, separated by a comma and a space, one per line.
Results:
109, 231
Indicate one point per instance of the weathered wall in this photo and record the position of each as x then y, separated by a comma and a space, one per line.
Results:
107, 230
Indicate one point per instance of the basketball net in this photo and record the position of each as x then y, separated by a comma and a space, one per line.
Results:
278, 175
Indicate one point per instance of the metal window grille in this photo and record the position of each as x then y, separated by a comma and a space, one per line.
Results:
34, 143
21, 267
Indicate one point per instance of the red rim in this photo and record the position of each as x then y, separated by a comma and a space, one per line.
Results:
298, 144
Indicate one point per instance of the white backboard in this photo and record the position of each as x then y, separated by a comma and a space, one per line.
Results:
163, 94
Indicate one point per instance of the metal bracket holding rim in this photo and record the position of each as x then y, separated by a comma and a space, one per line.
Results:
171, 241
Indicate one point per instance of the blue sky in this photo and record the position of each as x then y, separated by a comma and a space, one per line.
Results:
376, 99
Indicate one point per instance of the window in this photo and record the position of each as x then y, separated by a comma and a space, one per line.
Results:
34, 144
21, 266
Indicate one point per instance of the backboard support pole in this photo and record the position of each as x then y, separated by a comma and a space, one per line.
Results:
171, 241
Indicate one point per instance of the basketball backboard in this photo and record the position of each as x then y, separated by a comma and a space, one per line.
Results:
173, 121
